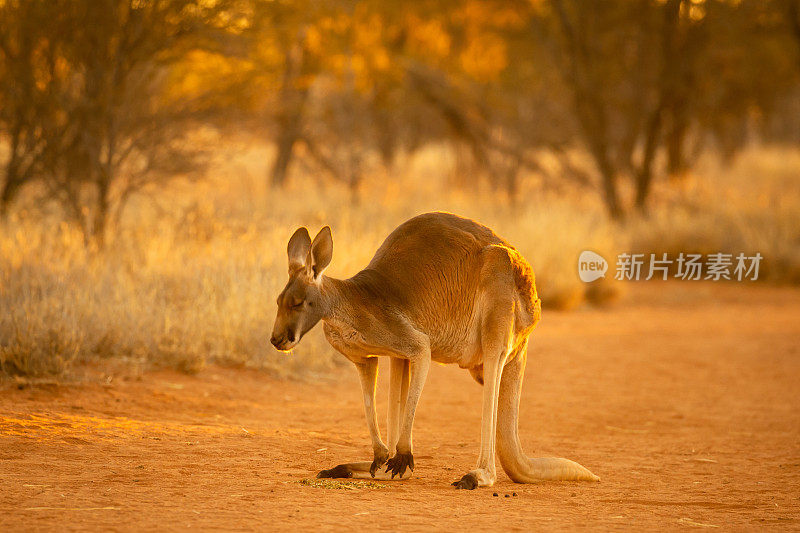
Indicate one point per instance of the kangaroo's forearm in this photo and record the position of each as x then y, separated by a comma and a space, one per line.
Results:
368, 373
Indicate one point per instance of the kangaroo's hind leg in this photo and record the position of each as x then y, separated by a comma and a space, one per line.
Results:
517, 465
496, 335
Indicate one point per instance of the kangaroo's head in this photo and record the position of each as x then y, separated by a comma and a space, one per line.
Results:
301, 304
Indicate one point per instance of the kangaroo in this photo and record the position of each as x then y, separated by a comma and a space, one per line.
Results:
440, 288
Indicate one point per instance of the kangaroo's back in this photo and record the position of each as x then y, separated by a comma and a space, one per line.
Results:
432, 266
432, 239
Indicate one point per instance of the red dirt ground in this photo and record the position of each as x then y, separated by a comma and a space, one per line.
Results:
684, 398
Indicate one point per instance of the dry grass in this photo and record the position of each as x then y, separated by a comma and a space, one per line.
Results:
753, 206
195, 282
338, 484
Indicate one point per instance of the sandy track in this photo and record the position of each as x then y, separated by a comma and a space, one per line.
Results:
685, 399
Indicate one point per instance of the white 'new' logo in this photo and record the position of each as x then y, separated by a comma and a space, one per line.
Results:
591, 266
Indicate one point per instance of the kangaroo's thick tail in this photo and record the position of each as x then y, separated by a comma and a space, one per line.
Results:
517, 465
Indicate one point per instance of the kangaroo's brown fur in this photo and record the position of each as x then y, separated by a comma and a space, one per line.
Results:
440, 288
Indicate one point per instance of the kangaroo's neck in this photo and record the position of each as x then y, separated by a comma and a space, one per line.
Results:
338, 297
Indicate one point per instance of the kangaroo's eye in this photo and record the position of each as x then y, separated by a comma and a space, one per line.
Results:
297, 305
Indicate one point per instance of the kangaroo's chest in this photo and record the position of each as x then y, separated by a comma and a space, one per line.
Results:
350, 342
459, 345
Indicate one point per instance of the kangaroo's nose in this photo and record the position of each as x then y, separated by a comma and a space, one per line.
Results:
290, 335
276, 341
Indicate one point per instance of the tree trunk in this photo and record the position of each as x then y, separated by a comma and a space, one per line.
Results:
512, 185
667, 83
14, 181
676, 157
100, 225
290, 121
293, 101
793, 17
11, 187
645, 175
280, 168
610, 189
594, 126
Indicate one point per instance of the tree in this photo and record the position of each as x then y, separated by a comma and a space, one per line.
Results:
25, 58
646, 76
91, 103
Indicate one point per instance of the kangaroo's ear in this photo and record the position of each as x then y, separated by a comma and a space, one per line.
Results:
321, 252
299, 245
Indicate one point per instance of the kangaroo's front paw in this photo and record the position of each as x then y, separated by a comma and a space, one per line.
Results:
379, 461
337, 471
468, 482
399, 463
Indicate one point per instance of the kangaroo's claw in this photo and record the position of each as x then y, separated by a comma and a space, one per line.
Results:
399, 463
376, 464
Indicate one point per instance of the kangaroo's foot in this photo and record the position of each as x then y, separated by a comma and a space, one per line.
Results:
398, 464
468, 482
339, 471
474, 479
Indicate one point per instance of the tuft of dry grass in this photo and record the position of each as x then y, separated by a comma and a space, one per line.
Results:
342, 484
192, 279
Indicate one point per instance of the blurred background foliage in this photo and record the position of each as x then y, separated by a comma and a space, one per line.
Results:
100, 98
155, 154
